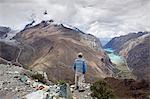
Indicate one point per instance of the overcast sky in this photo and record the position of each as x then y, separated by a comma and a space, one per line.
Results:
103, 18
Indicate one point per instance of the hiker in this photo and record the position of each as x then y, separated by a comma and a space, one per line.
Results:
80, 68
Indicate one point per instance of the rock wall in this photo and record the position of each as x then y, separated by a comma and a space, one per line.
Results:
135, 48
137, 53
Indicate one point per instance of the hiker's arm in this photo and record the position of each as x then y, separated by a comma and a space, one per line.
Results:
74, 66
84, 67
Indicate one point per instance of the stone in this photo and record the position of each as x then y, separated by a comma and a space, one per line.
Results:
1, 85
65, 91
36, 95
72, 86
87, 86
12, 83
85, 96
24, 78
69, 93
71, 89
16, 72
89, 94
35, 84
16, 89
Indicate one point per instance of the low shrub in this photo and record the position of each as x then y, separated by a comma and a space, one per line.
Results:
39, 77
101, 90
61, 82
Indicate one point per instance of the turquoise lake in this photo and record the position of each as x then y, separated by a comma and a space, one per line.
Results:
115, 58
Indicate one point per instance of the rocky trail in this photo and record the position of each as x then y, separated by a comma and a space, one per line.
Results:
10, 85
16, 84
83, 95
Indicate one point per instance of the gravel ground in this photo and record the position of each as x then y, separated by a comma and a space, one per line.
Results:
10, 85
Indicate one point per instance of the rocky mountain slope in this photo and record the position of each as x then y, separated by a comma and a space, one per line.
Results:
8, 51
137, 53
4, 31
129, 88
10, 85
116, 43
136, 49
18, 83
53, 47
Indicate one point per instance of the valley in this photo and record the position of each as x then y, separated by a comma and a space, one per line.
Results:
51, 48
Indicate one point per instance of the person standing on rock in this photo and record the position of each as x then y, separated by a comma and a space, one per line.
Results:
80, 68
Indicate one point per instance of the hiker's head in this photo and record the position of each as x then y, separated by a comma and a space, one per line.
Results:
80, 55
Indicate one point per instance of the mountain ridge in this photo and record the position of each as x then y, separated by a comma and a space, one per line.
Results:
116, 42
52, 48
135, 48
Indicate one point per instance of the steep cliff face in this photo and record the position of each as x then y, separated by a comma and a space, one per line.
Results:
8, 52
137, 53
136, 49
117, 42
91, 41
52, 48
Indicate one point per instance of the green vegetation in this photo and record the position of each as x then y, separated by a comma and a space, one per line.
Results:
39, 77
122, 69
101, 90
61, 82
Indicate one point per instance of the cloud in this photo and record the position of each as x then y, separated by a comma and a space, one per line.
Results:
101, 18
16, 1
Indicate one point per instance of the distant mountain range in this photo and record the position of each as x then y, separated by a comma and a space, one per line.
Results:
135, 47
116, 43
104, 41
53, 47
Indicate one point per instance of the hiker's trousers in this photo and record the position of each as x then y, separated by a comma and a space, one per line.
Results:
79, 80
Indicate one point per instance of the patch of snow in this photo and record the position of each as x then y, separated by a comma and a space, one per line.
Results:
71, 27
9, 37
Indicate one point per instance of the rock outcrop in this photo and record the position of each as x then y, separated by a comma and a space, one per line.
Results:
4, 31
137, 53
52, 48
10, 85
136, 49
